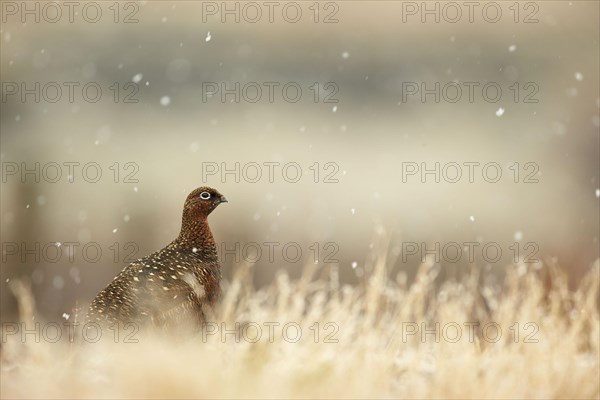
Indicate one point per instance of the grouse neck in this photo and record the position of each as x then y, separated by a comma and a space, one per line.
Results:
196, 234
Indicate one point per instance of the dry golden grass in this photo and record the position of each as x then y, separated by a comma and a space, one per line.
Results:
367, 359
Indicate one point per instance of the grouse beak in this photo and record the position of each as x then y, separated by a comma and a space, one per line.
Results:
223, 199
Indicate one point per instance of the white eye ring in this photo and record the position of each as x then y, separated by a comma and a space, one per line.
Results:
205, 195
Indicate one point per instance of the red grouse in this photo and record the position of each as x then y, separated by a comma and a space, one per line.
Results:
172, 285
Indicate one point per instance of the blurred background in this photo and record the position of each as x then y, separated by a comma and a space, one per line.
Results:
161, 124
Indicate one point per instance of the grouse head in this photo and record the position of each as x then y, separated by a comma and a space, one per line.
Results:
202, 201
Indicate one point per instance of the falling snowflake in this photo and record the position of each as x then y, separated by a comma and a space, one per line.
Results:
115, 230
512, 48
579, 76
345, 55
500, 112
66, 316
518, 236
472, 218
165, 101
354, 264
208, 37
137, 78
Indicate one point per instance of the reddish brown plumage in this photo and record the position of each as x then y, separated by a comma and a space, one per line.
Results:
171, 286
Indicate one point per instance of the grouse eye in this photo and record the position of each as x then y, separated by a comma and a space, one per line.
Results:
205, 195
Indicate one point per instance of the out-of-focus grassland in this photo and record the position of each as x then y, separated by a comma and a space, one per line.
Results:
366, 352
